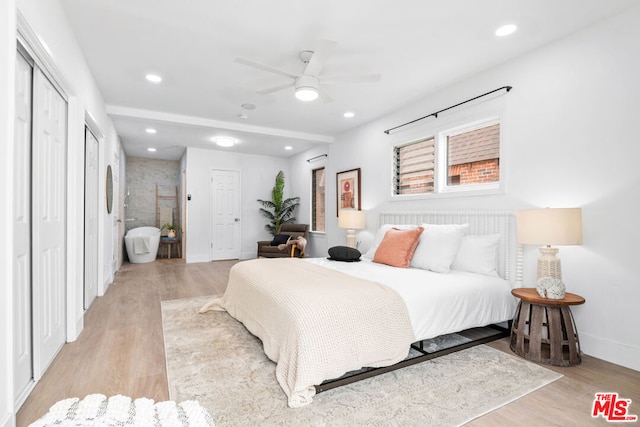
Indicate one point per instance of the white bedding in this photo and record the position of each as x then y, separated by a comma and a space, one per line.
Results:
318, 323
438, 303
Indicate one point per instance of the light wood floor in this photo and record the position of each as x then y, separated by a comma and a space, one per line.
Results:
121, 351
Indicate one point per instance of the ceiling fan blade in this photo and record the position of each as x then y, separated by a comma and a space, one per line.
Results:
275, 88
264, 67
324, 97
362, 78
324, 49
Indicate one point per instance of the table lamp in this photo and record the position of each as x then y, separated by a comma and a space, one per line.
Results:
557, 226
351, 220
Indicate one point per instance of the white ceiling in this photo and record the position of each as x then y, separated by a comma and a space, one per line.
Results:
418, 46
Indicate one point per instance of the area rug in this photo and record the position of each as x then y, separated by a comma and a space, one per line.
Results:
97, 410
213, 359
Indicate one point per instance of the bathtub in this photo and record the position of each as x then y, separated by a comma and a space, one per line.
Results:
147, 247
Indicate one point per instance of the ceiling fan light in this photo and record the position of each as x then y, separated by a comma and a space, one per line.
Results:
306, 93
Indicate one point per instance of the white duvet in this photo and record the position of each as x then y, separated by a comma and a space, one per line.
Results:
438, 303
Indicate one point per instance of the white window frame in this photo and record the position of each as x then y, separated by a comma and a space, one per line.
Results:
440, 131
442, 163
311, 207
435, 161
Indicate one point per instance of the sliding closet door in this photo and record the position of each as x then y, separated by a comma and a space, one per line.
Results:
91, 192
22, 342
49, 221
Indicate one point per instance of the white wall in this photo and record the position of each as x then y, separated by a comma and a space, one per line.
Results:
49, 24
257, 177
7, 97
571, 129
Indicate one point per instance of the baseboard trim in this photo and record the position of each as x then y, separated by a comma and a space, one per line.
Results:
78, 329
198, 258
8, 420
611, 351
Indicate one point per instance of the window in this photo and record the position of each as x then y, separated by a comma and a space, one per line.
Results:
473, 155
317, 199
414, 167
461, 159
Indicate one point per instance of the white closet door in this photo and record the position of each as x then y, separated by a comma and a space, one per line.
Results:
22, 340
225, 218
90, 218
49, 221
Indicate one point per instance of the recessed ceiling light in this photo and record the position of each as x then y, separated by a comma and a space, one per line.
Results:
150, 130
153, 78
224, 141
349, 114
243, 116
288, 147
505, 30
153, 150
248, 106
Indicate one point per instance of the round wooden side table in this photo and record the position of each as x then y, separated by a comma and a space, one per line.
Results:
543, 329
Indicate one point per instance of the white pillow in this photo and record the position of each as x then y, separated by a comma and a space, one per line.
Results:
478, 254
380, 235
438, 246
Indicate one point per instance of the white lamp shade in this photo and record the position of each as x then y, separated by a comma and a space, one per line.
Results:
351, 219
550, 226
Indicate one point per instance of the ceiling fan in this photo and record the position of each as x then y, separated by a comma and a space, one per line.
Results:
307, 84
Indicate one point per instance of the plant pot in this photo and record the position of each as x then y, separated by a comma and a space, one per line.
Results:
171, 234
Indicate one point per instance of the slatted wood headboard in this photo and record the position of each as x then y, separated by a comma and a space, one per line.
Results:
510, 258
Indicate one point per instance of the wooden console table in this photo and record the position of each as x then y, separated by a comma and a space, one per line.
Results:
543, 329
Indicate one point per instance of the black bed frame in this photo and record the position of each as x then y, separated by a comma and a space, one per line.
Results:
352, 377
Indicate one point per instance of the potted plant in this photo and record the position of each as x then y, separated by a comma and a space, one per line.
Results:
278, 210
171, 230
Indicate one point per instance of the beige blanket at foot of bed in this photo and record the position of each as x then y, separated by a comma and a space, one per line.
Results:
315, 323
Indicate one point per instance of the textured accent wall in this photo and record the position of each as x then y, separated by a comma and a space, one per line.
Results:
140, 191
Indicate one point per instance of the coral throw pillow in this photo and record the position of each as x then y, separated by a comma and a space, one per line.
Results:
397, 247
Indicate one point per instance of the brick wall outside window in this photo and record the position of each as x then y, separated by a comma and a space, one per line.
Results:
480, 172
474, 156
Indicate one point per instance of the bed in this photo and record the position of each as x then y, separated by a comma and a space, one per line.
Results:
319, 319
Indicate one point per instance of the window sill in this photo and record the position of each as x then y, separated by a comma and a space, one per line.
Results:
447, 194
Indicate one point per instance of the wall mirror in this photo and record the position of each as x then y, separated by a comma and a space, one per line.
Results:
109, 189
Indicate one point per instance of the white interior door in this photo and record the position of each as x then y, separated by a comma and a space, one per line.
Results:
49, 148
225, 215
91, 192
22, 338
183, 215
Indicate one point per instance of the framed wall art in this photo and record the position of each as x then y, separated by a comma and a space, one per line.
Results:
348, 190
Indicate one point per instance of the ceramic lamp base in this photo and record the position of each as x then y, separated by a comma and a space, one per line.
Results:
351, 239
549, 264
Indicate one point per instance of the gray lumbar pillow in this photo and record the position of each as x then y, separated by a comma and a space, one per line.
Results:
344, 253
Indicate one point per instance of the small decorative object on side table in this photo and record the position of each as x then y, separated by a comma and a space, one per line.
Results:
543, 329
